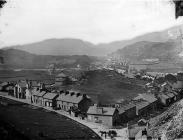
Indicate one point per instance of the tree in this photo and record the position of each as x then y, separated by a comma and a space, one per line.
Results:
178, 8
170, 78
2, 2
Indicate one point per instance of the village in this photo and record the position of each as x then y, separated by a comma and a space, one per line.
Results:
162, 90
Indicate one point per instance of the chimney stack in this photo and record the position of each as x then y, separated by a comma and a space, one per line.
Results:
78, 94
72, 93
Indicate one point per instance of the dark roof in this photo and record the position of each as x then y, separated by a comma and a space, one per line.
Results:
140, 104
68, 98
22, 84
126, 107
107, 111
41, 94
147, 97
50, 95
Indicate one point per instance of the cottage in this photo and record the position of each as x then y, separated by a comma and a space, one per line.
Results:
104, 115
49, 99
3, 86
67, 100
164, 99
20, 89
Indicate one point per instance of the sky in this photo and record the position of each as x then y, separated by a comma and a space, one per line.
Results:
97, 21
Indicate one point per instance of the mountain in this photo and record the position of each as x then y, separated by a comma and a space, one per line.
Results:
60, 47
165, 51
69, 46
13, 58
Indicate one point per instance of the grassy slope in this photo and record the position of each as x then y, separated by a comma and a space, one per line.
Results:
109, 85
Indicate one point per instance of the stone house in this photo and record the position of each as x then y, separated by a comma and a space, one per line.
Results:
105, 115
67, 100
49, 100
38, 97
20, 89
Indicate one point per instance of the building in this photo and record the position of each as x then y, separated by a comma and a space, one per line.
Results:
127, 112
28, 95
105, 115
49, 100
142, 107
34, 94
38, 97
67, 100
150, 98
167, 98
61, 79
20, 89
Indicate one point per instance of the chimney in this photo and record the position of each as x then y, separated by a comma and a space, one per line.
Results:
72, 93
99, 110
61, 91
84, 95
66, 92
78, 94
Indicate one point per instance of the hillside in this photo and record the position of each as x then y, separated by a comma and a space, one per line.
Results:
164, 51
70, 46
170, 123
13, 58
109, 86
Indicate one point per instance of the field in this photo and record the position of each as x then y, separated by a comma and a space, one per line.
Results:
108, 86
10, 75
37, 123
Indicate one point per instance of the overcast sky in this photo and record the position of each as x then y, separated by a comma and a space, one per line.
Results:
25, 21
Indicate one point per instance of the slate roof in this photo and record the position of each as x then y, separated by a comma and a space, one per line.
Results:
50, 95
147, 97
171, 95
41, 94
141, 104
125, 107
22, 84
35, 92
164, 96
107, 111
68, 98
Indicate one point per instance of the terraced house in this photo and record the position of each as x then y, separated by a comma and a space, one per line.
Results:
49, 99
67, 100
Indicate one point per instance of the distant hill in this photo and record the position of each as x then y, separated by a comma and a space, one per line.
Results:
61, 47
70, 46
13, 58
164, 51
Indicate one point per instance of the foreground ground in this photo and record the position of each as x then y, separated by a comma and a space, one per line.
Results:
37, 123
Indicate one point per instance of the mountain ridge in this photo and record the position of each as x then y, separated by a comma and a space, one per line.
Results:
72, 46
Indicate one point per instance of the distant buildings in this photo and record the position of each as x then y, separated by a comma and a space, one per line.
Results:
61, 79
